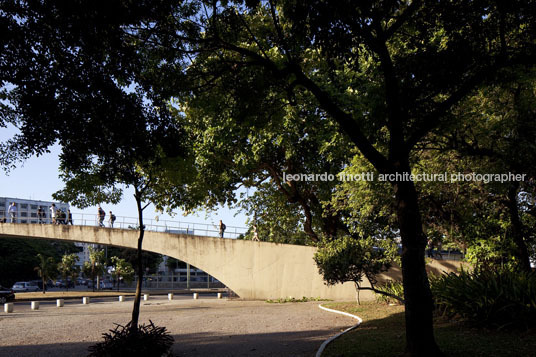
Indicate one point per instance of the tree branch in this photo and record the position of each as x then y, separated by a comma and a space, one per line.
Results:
400, 20
384, 293
347, 123
395, 115
433, 120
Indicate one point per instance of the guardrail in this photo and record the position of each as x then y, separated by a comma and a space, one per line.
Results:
151, 224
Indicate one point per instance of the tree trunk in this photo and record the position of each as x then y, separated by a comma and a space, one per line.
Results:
93, 277
419, 306
517, 228
137, 297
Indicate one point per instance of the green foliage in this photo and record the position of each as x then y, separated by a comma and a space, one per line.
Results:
493, 131
172, 263
252, 142
393, 287
87, 189
351, 259
149, 259
495, 252
122, 269
46, 269
95, 267
146, 340
382, 334
68, 268
262, 87
277, 219
497, 299
366, 205
18, 257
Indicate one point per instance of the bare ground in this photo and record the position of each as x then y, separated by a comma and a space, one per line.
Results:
205, 327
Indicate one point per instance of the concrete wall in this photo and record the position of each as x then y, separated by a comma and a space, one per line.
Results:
253, 270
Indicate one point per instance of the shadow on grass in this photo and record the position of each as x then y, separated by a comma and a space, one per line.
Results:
377, 337
386, 337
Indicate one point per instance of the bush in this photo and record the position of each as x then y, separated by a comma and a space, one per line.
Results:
394, 287
495, 299
147, 341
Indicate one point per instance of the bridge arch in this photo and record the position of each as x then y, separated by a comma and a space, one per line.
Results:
253, 270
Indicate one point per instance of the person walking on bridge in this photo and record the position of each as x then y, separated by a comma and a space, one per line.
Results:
111, 219
222, 227
53, 213
101, 215
41, 215
13, 212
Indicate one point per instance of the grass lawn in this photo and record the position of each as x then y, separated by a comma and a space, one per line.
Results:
382, 334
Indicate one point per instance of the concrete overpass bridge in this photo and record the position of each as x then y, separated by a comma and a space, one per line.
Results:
253, 270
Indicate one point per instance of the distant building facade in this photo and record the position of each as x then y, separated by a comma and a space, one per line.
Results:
27, 209
27, 213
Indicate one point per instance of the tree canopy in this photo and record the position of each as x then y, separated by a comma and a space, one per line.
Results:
264, 88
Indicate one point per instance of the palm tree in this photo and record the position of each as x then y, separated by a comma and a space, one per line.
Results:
96, 264
46, 269
122, 268
68, 268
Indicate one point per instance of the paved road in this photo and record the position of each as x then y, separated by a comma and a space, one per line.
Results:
204, 327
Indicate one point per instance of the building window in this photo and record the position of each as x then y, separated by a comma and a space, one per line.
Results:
33, 222
24, 214
34, 206
24, 206
23, 221
34, 215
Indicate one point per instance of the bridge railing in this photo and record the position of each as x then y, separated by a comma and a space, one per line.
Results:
151, 224
159, 225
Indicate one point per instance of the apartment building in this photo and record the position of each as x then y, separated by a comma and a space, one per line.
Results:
27, 209
27, 213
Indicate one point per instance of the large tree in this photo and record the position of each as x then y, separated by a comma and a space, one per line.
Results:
387, 72
255, 150
496, 131
67, 74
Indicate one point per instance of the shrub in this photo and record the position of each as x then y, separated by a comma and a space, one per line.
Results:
148, 341
352, 259
494, 299
393, 287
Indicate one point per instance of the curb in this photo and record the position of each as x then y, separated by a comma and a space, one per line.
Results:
332, 338
116, 294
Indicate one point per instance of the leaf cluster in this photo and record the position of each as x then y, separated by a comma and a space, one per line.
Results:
496, 299
350, 259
